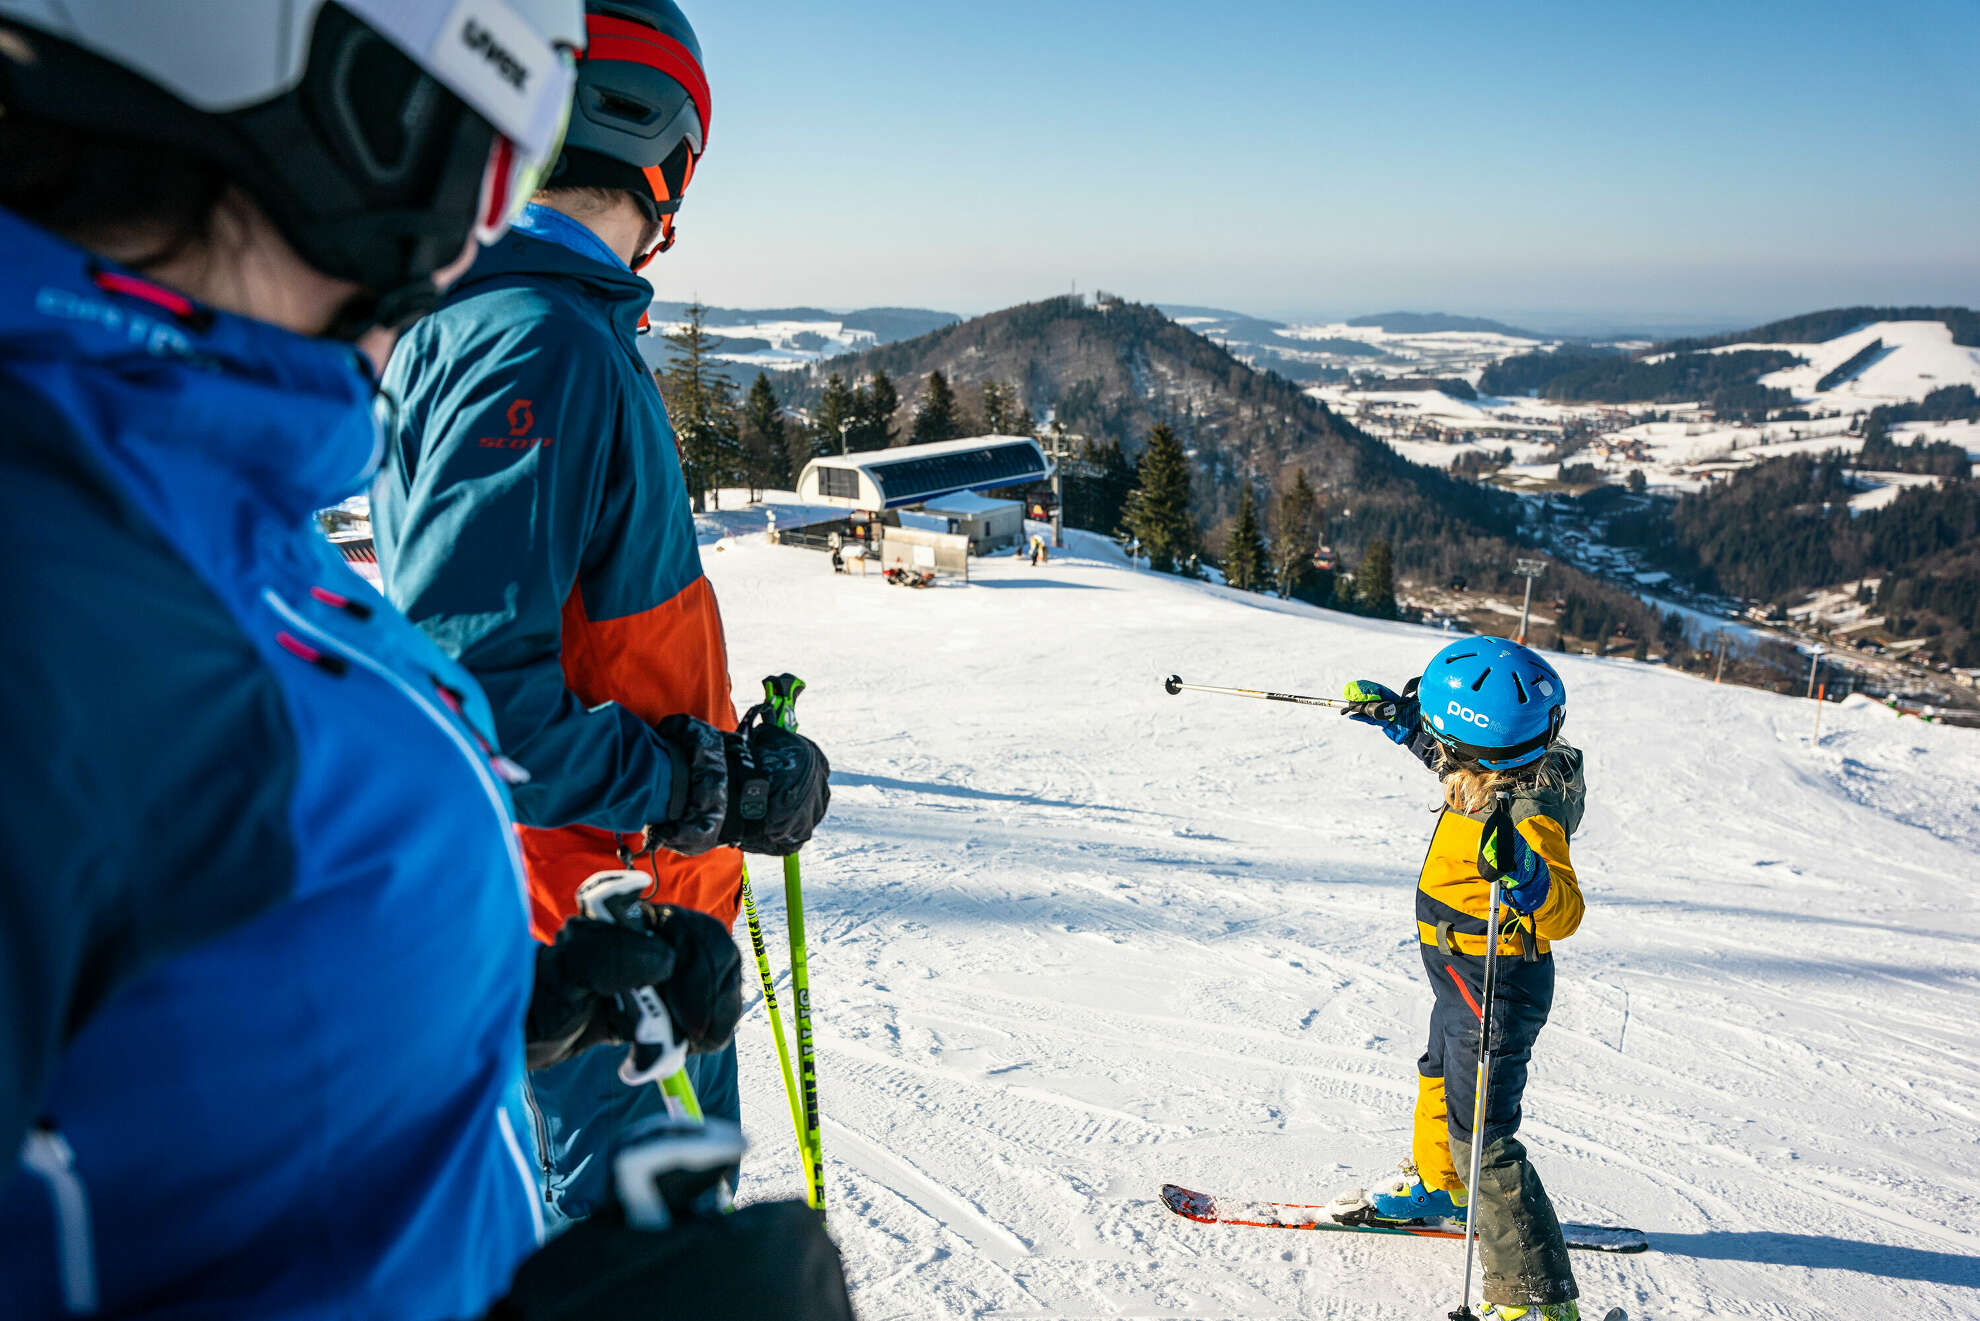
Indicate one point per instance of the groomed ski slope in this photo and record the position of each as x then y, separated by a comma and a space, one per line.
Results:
1072, 938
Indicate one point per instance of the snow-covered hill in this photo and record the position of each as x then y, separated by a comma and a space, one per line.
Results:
1912, 359
1073, 937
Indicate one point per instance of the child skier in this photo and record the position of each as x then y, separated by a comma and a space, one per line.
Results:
1486, 717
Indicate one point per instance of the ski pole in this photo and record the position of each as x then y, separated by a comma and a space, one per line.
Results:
656, 1056
1174, 684
1483, 1083
776, 1026
780, 693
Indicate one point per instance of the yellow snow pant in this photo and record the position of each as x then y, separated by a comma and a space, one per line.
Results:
1430, 1140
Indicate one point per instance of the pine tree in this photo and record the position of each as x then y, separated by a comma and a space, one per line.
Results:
1003, 414
1244, 553
882, 402
766, 452
873, 415
1097, 487
1157, 511
1375, 582
935, 417
701, 405
832, 425
1294, 540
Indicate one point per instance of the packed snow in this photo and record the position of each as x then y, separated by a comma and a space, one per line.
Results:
1072, 938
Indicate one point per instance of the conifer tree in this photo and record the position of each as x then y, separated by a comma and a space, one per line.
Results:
1157, 512
873, 415
832, 425
936, 416
882, 402
1375, 582
1003, 414
1294, 540
766, 453
701, 405
1244, 550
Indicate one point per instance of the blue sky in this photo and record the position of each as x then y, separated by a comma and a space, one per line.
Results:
1574, 165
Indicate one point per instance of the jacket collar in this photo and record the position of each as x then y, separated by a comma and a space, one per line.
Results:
291, 414
622, 295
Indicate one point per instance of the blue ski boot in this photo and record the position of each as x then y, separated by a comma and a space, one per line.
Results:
1406, 1198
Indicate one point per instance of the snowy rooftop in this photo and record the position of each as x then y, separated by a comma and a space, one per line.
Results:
969, 502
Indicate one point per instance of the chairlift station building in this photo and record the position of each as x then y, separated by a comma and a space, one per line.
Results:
938, 478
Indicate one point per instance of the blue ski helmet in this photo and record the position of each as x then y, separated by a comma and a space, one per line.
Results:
1493, 702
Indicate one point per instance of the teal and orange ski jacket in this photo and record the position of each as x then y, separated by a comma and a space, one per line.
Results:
532, 518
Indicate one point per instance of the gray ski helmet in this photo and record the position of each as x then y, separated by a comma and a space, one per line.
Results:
640, 118
378, 135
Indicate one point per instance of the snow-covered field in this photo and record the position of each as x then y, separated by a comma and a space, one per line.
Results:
1072, 938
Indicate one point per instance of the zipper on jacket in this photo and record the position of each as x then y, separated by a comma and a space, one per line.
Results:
482, 773
542, 1127
532, 1192
49, 1155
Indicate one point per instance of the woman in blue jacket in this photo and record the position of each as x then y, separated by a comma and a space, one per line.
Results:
264, 956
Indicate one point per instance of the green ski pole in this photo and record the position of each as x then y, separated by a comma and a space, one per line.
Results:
780, 693
776, 1026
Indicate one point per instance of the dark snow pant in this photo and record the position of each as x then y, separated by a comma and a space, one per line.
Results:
1519, 1237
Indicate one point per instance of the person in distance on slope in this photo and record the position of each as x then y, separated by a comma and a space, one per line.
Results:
266, 982
533, 518
1486, 716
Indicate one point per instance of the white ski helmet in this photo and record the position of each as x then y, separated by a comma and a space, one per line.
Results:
378, 135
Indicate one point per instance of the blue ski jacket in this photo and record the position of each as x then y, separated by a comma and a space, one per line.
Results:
264, 950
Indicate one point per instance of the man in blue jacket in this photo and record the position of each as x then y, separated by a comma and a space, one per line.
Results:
532, 517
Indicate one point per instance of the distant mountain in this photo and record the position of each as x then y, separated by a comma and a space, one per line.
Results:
1110, 370
1275, 346
1846, 357
1819, 327
778, 338
886, 323
1436, 323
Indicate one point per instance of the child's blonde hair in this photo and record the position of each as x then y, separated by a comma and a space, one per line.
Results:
1470, 788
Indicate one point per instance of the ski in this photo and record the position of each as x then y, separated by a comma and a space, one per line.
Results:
1208, 1210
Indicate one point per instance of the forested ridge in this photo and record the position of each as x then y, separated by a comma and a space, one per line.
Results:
1784, 528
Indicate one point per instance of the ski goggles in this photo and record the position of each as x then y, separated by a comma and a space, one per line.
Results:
512, 176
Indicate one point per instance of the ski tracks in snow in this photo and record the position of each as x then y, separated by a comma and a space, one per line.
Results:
1073, 938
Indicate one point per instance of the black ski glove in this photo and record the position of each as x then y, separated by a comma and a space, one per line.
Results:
687, 956
779, 787
762, 789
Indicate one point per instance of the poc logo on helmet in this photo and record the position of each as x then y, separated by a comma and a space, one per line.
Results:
1466, 714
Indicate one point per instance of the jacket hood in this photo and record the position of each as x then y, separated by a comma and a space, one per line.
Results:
294, 415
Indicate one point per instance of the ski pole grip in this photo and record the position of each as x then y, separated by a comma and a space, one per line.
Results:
780, 693
614, 896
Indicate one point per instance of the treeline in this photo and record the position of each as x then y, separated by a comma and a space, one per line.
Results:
1940, 599
1274, 549
1784, 527
1855, 363
1528, 373
1817, 327
1933, 458
1949, 403
1728, 381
